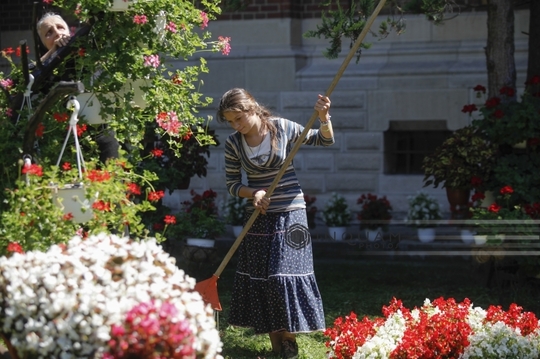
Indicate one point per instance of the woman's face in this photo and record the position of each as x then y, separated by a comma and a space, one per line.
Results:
51, 29
242, 122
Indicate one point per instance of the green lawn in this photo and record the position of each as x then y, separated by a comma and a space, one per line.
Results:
364, 284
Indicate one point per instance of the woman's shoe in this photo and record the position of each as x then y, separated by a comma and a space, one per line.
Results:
289, 349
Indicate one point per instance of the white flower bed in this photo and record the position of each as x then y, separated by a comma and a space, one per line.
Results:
62, 303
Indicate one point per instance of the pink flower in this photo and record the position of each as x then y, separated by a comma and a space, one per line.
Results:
171, 26
204, 19
223, 45
149, 331
9, 112
169, 122
48, 2
151, 60
7, 84
140, 19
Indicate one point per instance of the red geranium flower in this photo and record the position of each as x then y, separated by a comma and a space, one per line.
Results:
68, 217
493, 102
155, 196
134, 188
508, 91
101, 206
480, 88
15, 247
40, 130
469, 108
156, 152
495, 208
507, 190
169, 219
60, 117
476, 181
33, 169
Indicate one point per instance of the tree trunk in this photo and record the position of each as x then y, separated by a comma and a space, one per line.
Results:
533, 68
501, 66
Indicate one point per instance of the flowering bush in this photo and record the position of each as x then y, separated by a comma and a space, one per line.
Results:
151, 331
423, 208
376, 211
336, 212
438, 329
85, 298
506, 121
111, 198
121, 57
235, 211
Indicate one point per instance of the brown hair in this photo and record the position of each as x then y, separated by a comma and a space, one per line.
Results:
239, 100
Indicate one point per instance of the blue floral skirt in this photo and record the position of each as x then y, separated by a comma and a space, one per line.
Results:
274, 285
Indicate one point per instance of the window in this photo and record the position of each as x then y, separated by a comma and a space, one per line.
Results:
406, 143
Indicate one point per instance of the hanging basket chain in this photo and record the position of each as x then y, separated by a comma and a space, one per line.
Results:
74, 105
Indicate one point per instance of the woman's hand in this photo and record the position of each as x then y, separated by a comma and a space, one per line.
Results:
322, 106
260, 201
61, 41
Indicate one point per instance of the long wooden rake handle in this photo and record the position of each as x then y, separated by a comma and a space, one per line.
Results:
303, 135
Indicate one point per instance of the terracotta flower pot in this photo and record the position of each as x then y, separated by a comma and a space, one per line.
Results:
459, 202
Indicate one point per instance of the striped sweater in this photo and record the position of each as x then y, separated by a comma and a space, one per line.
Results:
288, 195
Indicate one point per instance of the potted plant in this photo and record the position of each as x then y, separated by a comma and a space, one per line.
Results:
464, 156
423, 213
198, 222
375, 214
337, 216
311, 210
235, 213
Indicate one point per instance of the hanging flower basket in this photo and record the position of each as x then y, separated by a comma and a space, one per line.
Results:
73, 202
90, 107
121, 5
139, 95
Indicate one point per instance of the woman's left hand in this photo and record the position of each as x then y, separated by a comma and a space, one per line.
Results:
323, 106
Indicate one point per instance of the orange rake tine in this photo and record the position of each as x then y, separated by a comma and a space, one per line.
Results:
208, 290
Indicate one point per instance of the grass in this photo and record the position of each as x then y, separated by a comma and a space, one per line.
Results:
364, 284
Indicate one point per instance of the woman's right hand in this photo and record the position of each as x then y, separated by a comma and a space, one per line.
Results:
260, 201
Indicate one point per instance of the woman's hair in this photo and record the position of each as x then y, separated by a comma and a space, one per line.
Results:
239, 100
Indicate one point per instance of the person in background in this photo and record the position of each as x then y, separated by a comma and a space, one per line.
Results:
275, 290
54, 33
